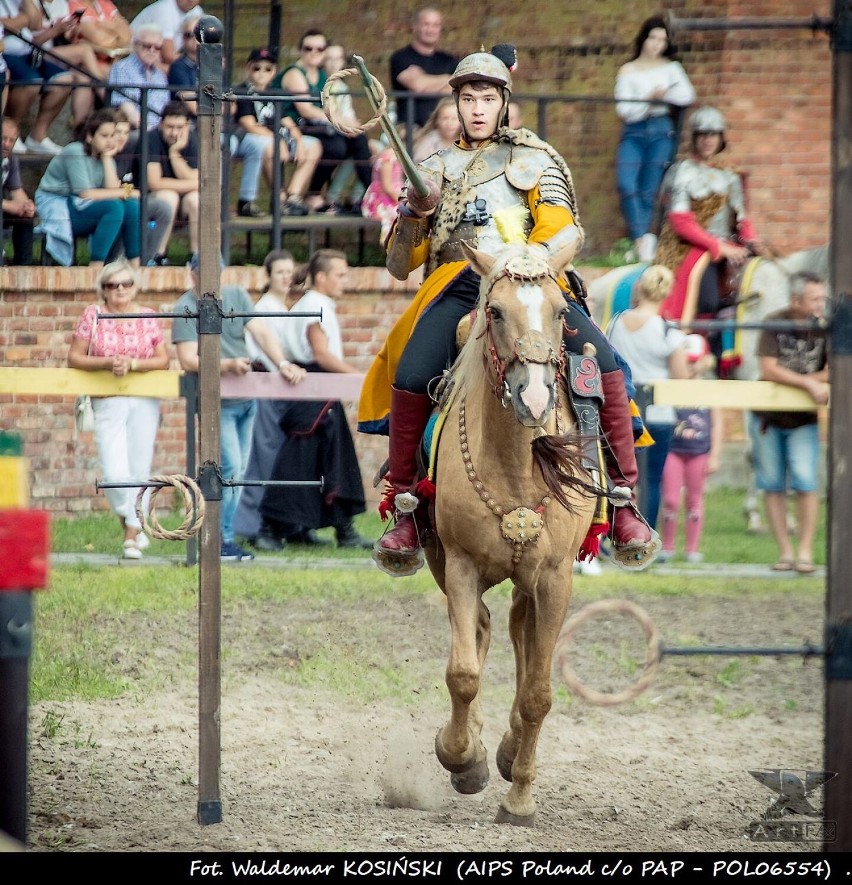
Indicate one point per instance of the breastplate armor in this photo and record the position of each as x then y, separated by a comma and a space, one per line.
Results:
696, 182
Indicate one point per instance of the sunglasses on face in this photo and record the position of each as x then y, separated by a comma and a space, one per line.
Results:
188, 35
119, 284
313, 49
266, 68
150, 46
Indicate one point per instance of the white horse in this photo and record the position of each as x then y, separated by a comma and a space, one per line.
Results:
763, 287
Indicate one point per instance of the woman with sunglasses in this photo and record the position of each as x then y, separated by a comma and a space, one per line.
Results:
80, 194
125, 426
308, 76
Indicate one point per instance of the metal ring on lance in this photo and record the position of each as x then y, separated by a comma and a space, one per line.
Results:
193, 502
329, 103
652, 657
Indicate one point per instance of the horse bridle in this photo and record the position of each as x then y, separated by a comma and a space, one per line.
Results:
534, 347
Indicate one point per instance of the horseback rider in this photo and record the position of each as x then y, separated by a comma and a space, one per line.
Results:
494, 186
706, 232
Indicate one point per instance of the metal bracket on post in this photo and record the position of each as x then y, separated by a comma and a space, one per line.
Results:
209, 315
210, 481
838, 650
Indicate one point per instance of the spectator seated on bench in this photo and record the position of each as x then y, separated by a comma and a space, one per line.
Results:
252, 140
18, 208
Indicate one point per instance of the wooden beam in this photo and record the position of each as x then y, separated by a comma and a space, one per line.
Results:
75, 382
765, 396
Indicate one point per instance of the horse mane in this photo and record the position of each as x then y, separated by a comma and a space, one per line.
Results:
560, 460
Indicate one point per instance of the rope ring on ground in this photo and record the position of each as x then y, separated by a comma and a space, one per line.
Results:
329, 104
652, 657
193, 501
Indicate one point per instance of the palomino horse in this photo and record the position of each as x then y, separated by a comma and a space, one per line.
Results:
512, 502
763, 286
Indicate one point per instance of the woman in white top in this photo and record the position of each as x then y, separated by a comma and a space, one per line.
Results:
654, 350
647, 89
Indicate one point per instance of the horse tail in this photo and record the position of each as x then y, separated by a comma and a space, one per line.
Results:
560, 459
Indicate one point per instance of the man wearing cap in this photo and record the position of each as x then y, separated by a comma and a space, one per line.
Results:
492, 181
237, 415
707, 231
255, 118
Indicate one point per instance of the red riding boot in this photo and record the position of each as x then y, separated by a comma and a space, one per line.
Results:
635, 544
398, 550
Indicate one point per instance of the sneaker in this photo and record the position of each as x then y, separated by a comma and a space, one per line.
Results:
695, 557
19, 147
232, 552
159, 260
143, 542
293, 206
665, 555
591, 567
130, 550
248, 209
269, 543
45, 146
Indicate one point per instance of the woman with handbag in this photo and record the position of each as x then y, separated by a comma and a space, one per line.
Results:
125, 426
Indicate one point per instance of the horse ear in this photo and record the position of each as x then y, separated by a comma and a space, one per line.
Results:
560, 260
480, 261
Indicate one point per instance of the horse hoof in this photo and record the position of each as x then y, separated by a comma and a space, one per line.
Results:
504, 765
516, 820
474, 780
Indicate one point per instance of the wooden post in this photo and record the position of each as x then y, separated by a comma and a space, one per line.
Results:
209, 33
838, 620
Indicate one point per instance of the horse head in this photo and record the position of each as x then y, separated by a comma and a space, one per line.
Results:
521, 319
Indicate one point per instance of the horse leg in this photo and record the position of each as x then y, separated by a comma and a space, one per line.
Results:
508, 748
458, 745
542, 620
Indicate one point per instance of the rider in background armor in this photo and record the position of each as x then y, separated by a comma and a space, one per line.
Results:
706, 234
493, 187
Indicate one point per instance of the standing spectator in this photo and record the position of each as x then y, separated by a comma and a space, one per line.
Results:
169, 16
125, 426
253, 140
18, 208
649, 136
785, 445
237, 415
142, 66
104, 28
173, 169
36, 75
654, 350
707, 230
80, 193
422, 68
382, 197
183, 71
440, 131
308, 77
318, 442
516, 117
694, 452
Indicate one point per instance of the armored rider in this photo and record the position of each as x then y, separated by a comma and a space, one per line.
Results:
493, 187
706, 231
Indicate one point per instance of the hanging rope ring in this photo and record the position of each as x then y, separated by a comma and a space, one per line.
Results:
330, 104
193, 503
652, 657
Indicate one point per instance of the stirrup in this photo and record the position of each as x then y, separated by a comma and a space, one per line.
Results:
398, 563
637, 555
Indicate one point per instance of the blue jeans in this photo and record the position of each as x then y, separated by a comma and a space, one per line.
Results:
644, 151
236, 421
778, 455
656, 461
250, 149
108, 222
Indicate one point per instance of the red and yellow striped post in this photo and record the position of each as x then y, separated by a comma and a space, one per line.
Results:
24, 556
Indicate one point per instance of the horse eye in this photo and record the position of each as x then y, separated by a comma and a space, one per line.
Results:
495, 313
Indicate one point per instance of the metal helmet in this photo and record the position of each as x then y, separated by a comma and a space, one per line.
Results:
482, 66
708, 119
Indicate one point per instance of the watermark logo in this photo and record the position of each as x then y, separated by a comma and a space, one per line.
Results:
791, 816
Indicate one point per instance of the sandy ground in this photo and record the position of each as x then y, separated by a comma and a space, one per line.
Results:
306, 770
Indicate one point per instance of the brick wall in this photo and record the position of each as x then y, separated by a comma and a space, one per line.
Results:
773, 85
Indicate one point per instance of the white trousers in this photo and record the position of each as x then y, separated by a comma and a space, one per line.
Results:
125, 433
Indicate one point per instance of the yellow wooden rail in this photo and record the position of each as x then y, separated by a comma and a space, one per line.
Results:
764, 395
